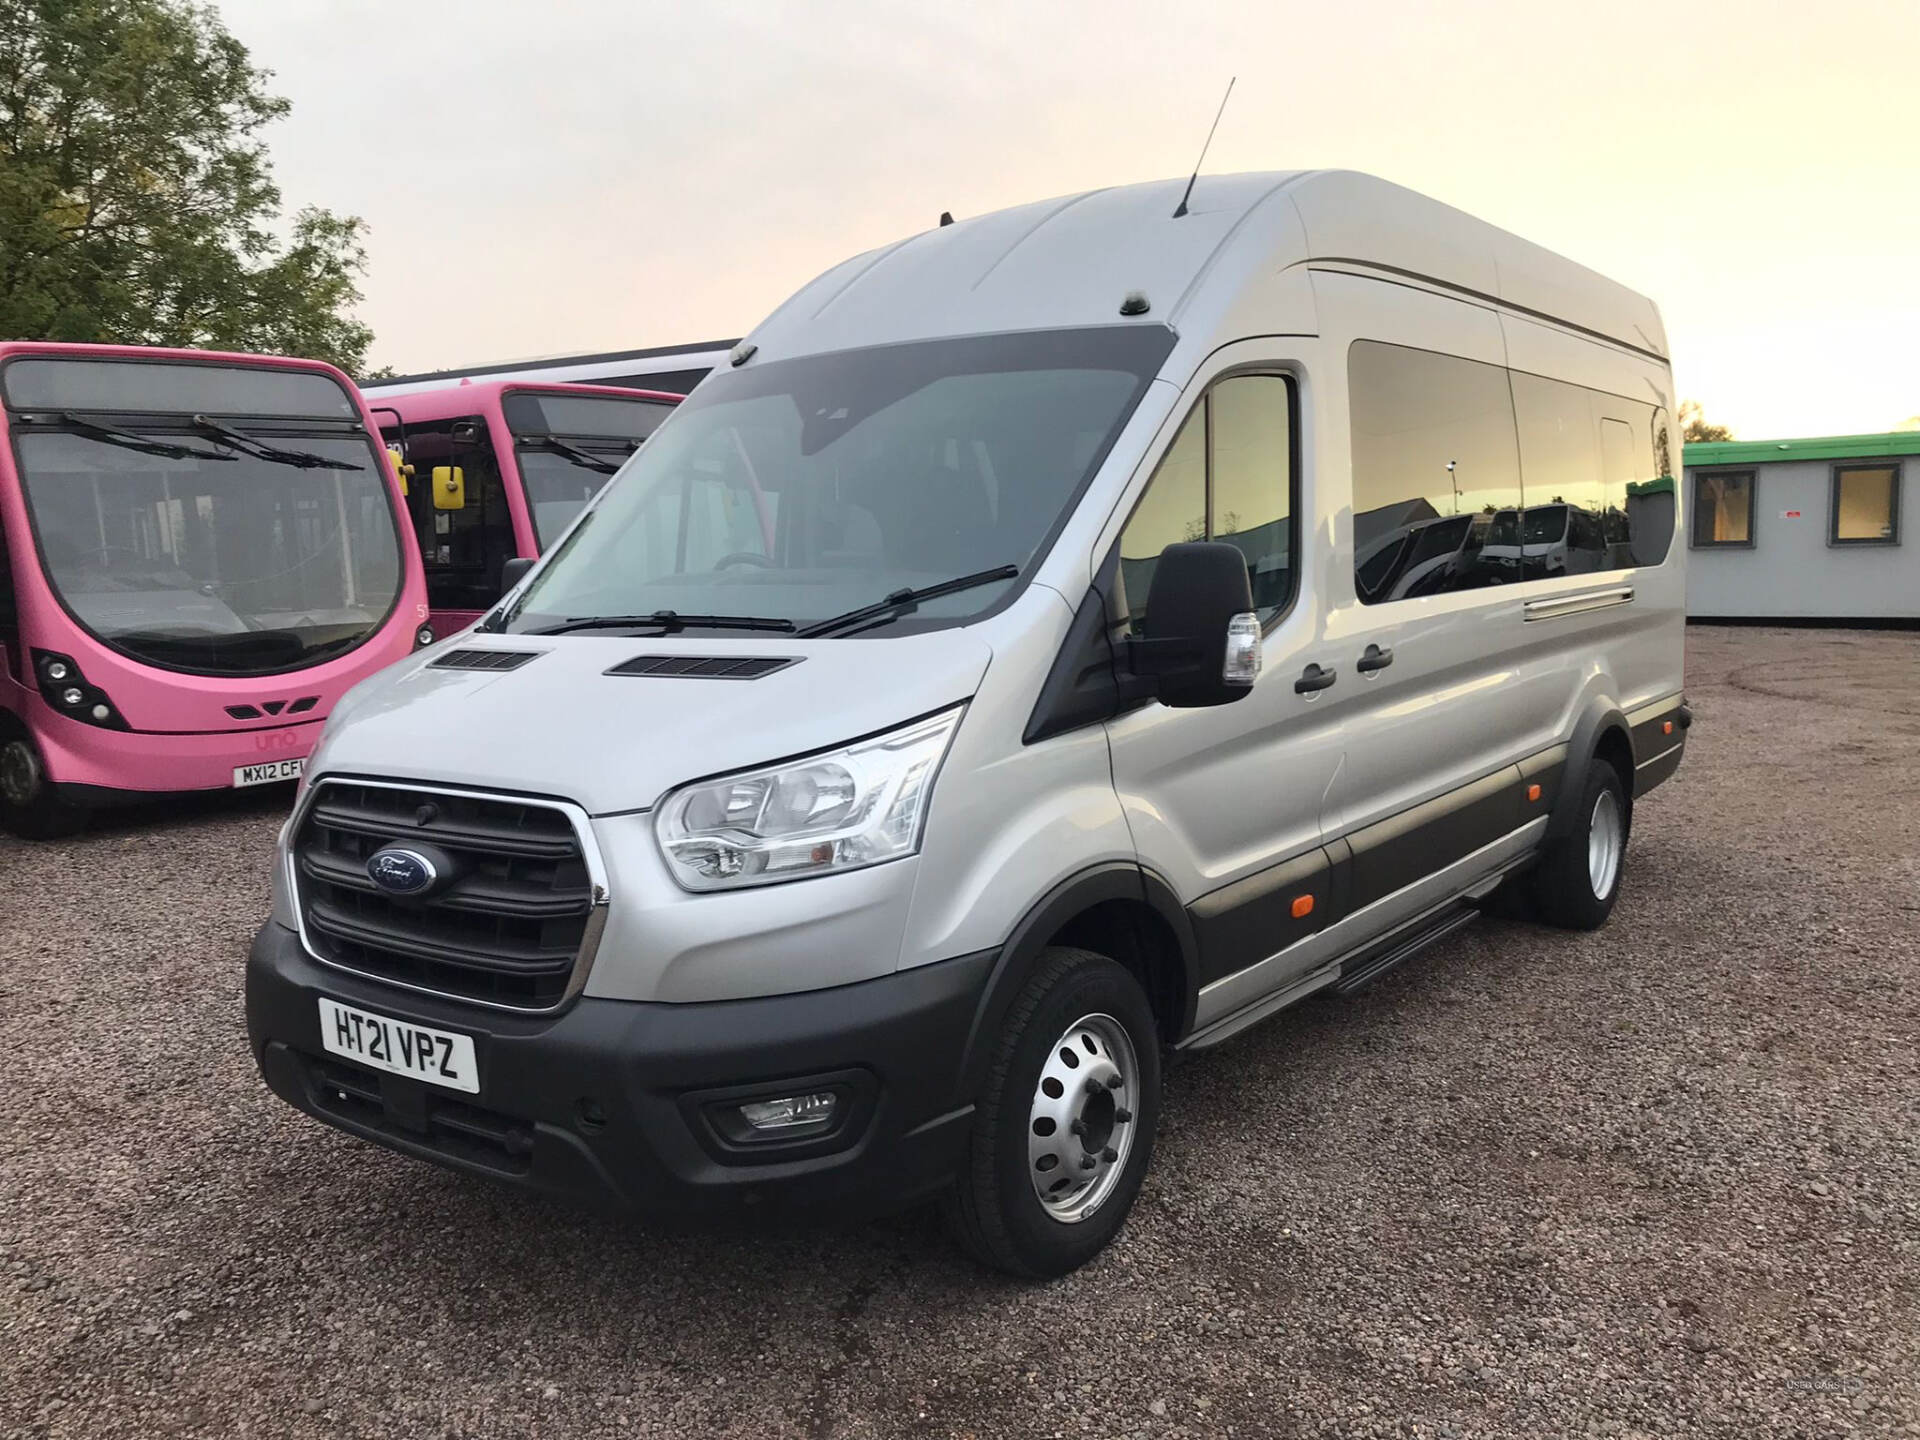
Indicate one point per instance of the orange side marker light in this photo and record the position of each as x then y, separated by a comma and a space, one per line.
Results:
1533, 792
1667, 729
1302, 906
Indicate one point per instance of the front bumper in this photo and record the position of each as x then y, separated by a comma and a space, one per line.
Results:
104, 766
606, 1102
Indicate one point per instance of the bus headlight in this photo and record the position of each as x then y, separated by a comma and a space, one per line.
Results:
843, 810
64, 688
423, 637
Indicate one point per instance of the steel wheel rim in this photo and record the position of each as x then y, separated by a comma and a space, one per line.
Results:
1605, 838
1081, 1125
19, 773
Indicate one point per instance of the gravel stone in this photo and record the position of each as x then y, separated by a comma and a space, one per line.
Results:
1656, 1181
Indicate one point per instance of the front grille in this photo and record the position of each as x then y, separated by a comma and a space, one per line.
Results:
508, 930
453, 1127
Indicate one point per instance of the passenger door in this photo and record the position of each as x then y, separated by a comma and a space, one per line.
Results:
1435, 691
1224, 803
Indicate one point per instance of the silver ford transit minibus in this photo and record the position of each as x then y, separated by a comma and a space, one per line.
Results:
1057, 639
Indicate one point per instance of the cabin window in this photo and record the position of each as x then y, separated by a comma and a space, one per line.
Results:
1436, 474
1228, 476
1723, 509
1866, 505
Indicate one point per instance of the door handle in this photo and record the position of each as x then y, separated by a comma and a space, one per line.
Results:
1374, 658
1315, 677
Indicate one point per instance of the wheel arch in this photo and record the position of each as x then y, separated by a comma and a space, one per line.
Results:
1114, 907
1601, 735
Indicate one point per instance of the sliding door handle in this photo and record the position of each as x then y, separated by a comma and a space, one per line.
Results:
1375, 658
1315, 677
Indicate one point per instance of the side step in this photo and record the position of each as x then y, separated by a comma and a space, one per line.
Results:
1365, 968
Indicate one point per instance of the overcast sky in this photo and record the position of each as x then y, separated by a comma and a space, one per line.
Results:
581, 175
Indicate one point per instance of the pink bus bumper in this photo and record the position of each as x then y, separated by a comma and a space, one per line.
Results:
136, 761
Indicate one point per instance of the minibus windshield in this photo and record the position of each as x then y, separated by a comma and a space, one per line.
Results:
568, 444
801, 489
205, 556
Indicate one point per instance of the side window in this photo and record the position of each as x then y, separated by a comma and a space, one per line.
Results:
1561, 468
1650, 502
1250, 477
1866, 505
1723, 509
1436, 473
1228, 476
1173, 510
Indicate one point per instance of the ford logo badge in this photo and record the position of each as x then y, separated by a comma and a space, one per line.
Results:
399, 870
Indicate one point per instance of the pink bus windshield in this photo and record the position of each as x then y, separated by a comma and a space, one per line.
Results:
206, 519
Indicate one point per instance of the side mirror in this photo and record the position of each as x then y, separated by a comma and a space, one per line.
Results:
449, 487
1202, 645
401, 468
512, 572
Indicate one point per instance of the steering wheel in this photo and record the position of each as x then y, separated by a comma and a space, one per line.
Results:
745, 557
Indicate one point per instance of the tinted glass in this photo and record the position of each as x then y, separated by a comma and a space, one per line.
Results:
1433, 445
559, 486
1250, 469
1172, 511
803, 488
221, 567
531, 412
170, 387
1723, 508
1866, 504
1650, 502
1564, 476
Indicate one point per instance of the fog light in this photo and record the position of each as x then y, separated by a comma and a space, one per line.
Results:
72, 695
792, 1112
423, 637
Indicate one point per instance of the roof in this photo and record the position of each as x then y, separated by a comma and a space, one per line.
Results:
1067, 262
1819, 447
539, 363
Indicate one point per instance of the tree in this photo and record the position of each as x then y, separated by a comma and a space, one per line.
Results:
137, 205
1694, 427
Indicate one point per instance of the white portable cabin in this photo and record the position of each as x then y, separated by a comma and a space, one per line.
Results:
1809, 529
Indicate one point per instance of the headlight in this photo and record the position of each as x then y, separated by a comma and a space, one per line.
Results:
839, 811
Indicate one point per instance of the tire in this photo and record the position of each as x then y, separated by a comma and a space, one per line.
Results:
1093, 1009
1578, 877
31, 805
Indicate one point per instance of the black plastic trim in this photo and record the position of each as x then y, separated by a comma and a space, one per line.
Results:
1392, 854
1243, 923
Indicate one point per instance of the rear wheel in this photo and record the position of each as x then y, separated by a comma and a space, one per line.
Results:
1064, 1133
31, 805
1578, 878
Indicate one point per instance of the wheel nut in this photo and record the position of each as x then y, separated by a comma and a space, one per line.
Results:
1093, 1086
1078, 1127
1109, 1154
1122, 1115
1088, 1163
1114, 1082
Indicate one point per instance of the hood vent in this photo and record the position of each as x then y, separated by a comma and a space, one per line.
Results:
483, 659
705, 667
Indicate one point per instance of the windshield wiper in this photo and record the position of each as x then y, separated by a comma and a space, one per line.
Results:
163, 448
904, 602
667, 620
273, 454
572, 452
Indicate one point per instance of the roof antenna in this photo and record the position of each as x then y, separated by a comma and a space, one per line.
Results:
1187, 194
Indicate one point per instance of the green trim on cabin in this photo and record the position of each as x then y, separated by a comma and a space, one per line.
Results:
1662, 486
1819, 447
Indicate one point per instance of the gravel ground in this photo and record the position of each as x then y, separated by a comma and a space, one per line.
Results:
1657, 1181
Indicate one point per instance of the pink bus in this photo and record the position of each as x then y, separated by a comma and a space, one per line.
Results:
199, 554
496, 470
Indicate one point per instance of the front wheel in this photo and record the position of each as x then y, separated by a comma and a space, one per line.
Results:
1578, 878
1064, 1133
31, 805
